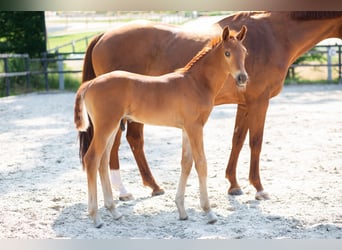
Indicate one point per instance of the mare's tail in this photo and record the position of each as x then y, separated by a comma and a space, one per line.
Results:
88, 69
88, 73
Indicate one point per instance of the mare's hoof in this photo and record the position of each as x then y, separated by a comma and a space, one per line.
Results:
261, 195
126, 197
235, 191
158, 192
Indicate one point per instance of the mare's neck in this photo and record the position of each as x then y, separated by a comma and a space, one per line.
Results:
277, 32
303, 35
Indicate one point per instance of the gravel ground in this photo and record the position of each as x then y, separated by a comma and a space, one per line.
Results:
43, 190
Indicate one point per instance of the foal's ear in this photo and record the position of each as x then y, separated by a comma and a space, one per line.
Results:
242, 33
225, 33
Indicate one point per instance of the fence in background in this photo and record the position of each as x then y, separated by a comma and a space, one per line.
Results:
43, 69
332, 65
328, 62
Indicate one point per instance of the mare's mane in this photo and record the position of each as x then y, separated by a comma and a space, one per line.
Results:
208, 47
315, 15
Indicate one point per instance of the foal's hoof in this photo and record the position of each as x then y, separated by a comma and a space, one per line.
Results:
126, 197
158, 192
261, 195
183, 217
98, 223
212, 218
235, 191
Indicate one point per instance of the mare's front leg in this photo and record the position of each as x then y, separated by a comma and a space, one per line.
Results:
114, 165
195, 135
135, 138
239, 135
256, 121
105, 182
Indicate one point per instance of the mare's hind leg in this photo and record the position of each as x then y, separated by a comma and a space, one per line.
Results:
240, 132
105, 182
186, 163
114, 165
195, 134
135, 138
256, 122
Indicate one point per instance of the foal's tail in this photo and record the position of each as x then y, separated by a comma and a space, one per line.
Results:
81, 118
88, 73
82, 121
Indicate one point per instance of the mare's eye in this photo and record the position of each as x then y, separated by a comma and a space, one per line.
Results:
227, 54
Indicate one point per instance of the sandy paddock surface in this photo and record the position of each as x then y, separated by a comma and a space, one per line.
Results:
43, 190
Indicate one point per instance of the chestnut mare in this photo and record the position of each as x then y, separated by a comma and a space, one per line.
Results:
275, 40
182, 99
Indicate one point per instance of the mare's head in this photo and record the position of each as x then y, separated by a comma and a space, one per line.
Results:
235, 54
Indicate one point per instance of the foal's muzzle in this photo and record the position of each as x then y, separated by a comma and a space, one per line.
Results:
242, 79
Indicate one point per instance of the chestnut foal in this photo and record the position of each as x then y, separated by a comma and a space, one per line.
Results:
182, 99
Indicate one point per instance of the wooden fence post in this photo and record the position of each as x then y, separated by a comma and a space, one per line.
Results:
28, 73
45, 65
60, 71
7, 79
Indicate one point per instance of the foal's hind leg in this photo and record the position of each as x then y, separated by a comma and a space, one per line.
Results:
186, 163
92, 161
195, 134
105, 182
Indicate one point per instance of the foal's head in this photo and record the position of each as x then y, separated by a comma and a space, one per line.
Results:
235, 54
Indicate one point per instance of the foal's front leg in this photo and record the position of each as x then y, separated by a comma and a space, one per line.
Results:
195, 135
186, 164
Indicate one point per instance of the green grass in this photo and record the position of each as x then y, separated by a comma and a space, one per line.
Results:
56, 41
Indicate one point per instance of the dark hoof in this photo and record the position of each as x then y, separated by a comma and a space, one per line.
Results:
235, 191
185, 218
158, 192
99, 224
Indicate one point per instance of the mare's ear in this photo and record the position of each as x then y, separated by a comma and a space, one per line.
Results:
225, 33
242, 33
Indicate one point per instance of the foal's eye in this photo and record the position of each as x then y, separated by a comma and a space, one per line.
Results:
227, 54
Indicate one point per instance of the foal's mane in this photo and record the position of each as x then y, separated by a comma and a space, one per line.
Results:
315, 15
208, 47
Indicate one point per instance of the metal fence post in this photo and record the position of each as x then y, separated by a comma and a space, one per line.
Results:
330, 53
340, 64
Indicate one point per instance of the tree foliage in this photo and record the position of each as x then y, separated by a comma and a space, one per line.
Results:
313, 55
22, 32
